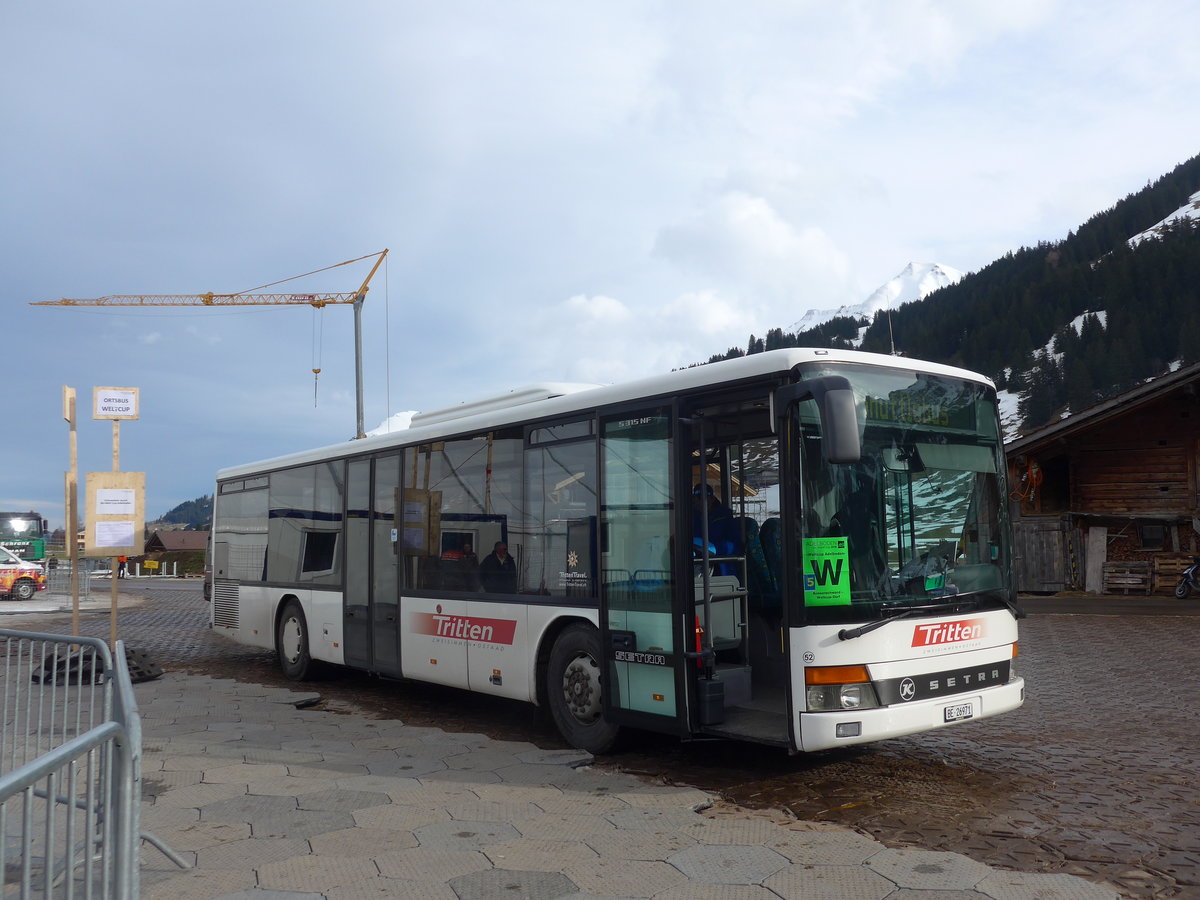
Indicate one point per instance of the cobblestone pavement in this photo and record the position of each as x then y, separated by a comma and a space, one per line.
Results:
1095, 776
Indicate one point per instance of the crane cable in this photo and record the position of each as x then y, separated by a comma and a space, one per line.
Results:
306, 274
317, 346
387, 342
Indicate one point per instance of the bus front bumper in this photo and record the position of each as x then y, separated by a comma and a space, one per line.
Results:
825, 730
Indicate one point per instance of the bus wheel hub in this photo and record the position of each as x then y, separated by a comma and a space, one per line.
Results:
581, 686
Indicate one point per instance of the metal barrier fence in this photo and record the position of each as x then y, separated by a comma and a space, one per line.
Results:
58, 577
70, 769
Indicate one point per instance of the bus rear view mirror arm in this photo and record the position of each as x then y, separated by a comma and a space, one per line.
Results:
835, 404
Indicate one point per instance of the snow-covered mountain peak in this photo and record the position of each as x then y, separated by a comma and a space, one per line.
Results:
913, 283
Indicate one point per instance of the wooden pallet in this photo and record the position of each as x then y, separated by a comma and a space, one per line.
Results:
1167, 569
1128, 578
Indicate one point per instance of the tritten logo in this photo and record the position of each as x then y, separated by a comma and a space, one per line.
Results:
487, 631
948, 632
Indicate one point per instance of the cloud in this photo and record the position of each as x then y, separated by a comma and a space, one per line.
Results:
152, 337
741, 239
703, 313
601, 339
205, 336
599, 309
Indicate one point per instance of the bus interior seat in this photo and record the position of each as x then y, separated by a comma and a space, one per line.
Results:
758, 574
770, 539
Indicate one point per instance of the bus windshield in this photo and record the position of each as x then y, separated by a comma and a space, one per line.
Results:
918, 520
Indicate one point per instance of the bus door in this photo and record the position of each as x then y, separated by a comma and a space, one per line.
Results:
738, 677
371, 620
641, 643
356, 595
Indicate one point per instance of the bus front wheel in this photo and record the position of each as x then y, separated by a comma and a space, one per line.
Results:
291, 643
573, 690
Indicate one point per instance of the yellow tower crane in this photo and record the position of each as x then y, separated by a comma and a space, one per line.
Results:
247, 298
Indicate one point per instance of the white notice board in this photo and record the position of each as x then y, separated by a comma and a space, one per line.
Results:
115, 514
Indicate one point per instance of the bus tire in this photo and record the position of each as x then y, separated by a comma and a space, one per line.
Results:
573, 690
24, 590
291, 643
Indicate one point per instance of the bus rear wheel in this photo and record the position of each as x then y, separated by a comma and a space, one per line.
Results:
574, 690
291, 643
24, 590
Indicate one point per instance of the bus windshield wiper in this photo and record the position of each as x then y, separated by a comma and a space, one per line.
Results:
890, 615
848, 634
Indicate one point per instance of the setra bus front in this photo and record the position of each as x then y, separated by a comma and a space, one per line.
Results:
903, 614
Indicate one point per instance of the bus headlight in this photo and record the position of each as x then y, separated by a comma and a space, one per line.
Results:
829, 688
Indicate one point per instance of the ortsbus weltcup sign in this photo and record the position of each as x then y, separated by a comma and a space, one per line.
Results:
114, 403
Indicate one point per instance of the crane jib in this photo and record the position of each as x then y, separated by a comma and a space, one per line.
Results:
318, 300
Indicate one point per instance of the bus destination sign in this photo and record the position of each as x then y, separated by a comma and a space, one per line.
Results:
921, 408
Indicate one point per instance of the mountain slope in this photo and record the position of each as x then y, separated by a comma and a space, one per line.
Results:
1189, 210
1129, 278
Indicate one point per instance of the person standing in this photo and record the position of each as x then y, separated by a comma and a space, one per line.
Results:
498, 571
122, 561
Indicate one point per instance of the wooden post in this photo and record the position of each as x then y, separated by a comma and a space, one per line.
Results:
72, 506
114, 563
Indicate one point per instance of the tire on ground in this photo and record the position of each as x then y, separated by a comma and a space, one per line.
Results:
292, 644
573, 690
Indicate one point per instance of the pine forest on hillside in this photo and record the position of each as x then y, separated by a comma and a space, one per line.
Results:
196, 514
1063, 324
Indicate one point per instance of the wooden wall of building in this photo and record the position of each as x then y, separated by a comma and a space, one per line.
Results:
1142, 464
1103, 487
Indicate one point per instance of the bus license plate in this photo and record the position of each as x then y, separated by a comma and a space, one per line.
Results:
959, 711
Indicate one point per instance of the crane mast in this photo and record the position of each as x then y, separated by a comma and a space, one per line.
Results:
316, 300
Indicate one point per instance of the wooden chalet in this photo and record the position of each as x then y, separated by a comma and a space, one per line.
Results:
165, 541
1108, 499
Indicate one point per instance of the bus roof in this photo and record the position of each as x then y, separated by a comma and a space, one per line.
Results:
560, 399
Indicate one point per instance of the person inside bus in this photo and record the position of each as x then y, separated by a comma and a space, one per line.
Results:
458, 571
498, 571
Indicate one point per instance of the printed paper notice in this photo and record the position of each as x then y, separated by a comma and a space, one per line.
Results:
116, 502
114, 403
114, 534
826, 572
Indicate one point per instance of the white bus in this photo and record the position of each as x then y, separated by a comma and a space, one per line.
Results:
803, 548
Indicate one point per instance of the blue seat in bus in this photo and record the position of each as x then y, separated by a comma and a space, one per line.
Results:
764, 585
771, 538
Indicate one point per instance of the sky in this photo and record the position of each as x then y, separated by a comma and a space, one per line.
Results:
568, 192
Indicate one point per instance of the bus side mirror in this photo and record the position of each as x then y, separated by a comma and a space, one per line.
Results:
835, 405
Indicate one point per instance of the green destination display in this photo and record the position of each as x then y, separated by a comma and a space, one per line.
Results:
826, 572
